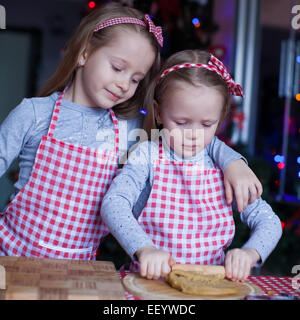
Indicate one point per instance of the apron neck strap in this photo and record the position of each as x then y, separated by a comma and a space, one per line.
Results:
55, 113
55, 118
116, 127
160, 148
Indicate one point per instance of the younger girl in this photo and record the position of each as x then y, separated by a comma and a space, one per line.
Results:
66, 159
186, 218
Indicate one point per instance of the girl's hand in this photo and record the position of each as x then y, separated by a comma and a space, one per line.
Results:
154, 263
240, 180
238, 263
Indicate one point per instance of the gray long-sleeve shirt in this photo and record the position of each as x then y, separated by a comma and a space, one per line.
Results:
138, 174
21, 133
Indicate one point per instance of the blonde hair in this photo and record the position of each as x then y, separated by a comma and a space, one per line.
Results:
85, 37
193, 76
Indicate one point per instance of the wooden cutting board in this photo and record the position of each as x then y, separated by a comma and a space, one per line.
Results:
60, 279
160, 290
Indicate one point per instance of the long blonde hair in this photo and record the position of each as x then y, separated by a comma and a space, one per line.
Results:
193, 76
85, 37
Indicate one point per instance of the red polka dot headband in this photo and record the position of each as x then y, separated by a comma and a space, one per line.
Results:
214, 65
157, 31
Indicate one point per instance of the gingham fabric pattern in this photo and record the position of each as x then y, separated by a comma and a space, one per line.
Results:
57, 213
273, 285
214, 65
157, 31
187, 214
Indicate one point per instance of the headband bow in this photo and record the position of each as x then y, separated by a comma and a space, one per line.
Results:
157, 31
214, 65
217, 66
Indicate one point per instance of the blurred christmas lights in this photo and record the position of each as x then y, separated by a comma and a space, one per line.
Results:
196, 22
92, 4
279, 158
280, 165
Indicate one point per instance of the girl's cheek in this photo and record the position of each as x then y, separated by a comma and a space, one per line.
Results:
130, 93
208, 136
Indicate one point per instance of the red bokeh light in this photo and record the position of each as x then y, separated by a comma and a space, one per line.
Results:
280, 165
92, 4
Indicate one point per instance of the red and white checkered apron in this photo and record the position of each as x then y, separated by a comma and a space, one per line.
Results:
57, 213
187, 214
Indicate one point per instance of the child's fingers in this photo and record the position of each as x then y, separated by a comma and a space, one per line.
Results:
253, 193
246, 273
245, 197
237, 265
259, 188
228, 192
235, 268
161, 269
233, 265
143, 269
150, 271
157, 271
165, 269
241, 270
228, 266
239, 198
171, 261
244, 270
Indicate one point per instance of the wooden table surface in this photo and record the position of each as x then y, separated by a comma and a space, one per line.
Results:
59, 279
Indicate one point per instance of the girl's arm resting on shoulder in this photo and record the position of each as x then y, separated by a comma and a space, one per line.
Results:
118, 202
239, 179
14, 132
265, 228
